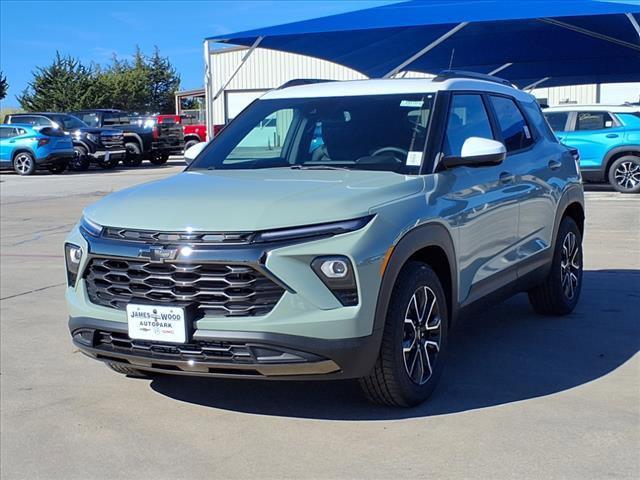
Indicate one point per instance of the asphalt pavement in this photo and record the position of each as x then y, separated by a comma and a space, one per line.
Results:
523, 396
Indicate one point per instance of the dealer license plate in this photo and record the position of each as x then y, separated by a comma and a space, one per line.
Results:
164, 324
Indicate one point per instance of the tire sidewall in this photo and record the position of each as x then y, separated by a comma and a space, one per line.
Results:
133, 157
612, 171
411, 277
32, 163
568, 225
80, 161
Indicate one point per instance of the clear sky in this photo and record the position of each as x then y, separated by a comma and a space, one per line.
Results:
31, 32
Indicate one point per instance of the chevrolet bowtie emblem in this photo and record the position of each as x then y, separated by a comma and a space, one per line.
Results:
158, 253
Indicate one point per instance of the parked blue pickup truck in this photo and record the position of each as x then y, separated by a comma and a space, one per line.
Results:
608, 139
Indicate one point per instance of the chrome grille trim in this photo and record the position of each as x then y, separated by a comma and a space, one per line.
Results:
133, 235
214, 289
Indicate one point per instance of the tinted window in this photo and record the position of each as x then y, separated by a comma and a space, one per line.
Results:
91, 119
30, 119
557, 120
365, 132
69, 122
515, 131
467, 118
593, 121
6, 132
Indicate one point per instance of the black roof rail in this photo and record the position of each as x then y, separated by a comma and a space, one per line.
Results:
448, 74
303, 81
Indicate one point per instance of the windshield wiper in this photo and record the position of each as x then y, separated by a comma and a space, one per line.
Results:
318, 167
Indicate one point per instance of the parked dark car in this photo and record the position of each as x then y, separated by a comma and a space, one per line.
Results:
144, 139
102, 146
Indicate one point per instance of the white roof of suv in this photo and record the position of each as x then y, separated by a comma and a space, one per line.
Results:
393, 86
595, 108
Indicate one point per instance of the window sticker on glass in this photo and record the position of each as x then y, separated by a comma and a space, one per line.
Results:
411, 103
414, 159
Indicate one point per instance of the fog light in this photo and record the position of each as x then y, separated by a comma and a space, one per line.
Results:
338, 275
334, 268
72, 256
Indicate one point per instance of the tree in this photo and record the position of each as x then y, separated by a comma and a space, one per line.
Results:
4, 86
164, 82
63, 86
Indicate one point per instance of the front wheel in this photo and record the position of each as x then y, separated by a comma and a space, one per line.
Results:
624, 174
24, 163
414, 340
80, 161
559, 293
133, 157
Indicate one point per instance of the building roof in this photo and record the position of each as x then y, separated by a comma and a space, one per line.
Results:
596, 108
392, 86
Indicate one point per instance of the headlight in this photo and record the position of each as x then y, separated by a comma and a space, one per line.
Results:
72, 258
89, 227
93, 138
319, 230
337, 274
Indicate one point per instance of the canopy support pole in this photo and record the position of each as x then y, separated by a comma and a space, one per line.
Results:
208, 87
634, 22
500, 68
429, 47
240, 65
535, 84
590, 33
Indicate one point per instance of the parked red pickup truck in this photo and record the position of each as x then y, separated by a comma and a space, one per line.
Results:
194, 131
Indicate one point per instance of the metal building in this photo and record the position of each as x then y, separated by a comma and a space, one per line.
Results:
236, 76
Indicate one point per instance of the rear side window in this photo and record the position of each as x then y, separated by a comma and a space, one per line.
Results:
516, 134
557, 120
6, 132
594, 121
467, 118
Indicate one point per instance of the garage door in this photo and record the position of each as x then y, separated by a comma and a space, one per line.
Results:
236, 101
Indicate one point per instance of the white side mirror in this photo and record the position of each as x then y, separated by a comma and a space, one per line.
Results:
478, 151
192, 152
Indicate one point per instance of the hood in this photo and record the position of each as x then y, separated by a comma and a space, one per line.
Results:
100, 131
250, 200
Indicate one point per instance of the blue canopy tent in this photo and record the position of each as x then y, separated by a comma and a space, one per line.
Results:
530, 42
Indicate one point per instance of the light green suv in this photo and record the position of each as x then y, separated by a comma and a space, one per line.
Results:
333, 230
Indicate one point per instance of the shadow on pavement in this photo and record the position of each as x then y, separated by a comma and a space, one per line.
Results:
503, 355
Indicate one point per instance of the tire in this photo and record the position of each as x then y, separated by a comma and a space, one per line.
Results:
80, 162
57, 168
128, 371
560, 292
405, 375
24, 163
624, 174
159, 158
189, 144
110, 165
133, 158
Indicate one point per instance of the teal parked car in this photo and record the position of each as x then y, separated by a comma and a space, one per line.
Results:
25, 148
422, 201
607, 138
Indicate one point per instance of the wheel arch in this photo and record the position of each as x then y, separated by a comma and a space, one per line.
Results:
192, 136
128, 136
431, 244
571, 204
19, 150
617, 152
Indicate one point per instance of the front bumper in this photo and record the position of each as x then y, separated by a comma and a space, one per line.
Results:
228, 354
106, 155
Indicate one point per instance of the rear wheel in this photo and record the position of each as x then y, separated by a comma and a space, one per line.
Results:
24, 163
133, 157
414, 340
128, 371
559, 293
190, 143
80, 161
624, 174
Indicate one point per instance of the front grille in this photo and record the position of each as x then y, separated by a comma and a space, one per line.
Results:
213, 289
195, 350
195, 237
112, 141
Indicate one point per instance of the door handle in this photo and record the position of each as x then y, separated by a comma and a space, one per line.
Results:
554, 164
612, 135
506, 177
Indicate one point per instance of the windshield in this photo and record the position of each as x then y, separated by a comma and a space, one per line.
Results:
369, 132
69, 122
